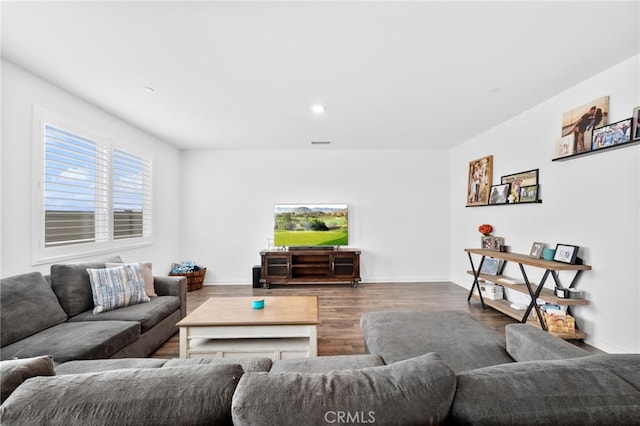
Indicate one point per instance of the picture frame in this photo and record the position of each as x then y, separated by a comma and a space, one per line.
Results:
614, 134
479, 181
566, 146
490, 266
487, 242
635, 128
580, 120
517, 180
499, 193
498, 244
529, 194
536, 250
566, 253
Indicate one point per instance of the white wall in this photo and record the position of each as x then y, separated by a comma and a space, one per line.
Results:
20, 91
590, 201
407, 207
398, 206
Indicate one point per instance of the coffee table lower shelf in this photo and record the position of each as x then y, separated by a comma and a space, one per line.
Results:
504, 306
275, 342
285, 348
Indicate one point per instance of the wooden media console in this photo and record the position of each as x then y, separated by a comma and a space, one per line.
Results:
310, 266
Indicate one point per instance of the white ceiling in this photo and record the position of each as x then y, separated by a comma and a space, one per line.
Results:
420, 74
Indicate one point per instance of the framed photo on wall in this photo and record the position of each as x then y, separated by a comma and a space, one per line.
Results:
635, 128
529, 194
616, 133
479, 181
565, 146
518, 180
581, 120
499, 194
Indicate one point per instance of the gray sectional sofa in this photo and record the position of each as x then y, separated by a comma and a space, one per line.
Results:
52, 315
535, 379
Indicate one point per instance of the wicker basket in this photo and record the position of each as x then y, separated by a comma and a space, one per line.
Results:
194, 279
560, 323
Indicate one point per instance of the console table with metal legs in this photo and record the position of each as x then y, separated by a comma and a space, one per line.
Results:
535, 291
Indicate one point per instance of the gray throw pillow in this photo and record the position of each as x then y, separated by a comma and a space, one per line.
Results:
27, 306
199, 395
14, 372
414, 391
70, 282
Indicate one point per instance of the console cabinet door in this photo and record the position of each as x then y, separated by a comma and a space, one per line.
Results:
276, 267
345, 266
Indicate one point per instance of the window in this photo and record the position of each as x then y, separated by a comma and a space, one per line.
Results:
130, 200
93, 194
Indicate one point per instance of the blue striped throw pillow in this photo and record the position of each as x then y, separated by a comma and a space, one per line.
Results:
117, 287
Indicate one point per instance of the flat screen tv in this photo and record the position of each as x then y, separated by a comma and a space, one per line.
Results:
311, 225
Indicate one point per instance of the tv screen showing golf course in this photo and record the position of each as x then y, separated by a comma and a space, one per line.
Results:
311, 225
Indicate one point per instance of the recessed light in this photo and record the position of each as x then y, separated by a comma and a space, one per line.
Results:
317, 108
148, 89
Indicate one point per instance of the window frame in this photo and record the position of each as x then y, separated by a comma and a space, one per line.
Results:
42, 254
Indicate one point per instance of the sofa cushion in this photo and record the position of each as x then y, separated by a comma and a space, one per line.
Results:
526, 342
252, 364
325, 364
160, 396
414, 391
596, 389
147, 274
97, 365
76, 340
14, 372
147, 314
462, 341
27, 306
114, 288
70, 282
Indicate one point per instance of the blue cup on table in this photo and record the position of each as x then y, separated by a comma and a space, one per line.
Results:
548, 253
258, 304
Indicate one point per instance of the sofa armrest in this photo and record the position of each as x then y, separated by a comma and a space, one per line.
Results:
528, 343
173, 286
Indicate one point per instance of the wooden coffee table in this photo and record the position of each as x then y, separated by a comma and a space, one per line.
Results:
229, 327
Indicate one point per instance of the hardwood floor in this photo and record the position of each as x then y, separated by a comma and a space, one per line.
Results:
341, 306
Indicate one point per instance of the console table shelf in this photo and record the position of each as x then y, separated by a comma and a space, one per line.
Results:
532, 314
309, 265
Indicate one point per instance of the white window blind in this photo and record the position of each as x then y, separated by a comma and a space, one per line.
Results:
74, 188
131, 177
92, 194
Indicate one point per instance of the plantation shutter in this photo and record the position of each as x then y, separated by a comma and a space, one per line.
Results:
131, 186
75, 188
